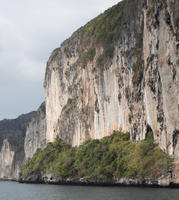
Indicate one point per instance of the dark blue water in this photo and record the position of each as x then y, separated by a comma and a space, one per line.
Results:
16, 191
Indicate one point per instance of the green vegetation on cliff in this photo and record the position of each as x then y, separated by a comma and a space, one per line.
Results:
115, 155
14, 131
104, 31
101, 35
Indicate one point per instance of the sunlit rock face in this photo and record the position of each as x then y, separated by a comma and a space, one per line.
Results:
91, 101
135, 92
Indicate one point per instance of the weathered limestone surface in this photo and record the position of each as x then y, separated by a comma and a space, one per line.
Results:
161, 92
35, 133
136, 91
6, 160
90, 101
10, 166
12, 133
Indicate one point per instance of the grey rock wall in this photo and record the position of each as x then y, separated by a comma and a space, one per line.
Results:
6, 160
12, 134
36, 133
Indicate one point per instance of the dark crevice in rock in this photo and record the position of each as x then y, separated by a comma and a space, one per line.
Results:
175, 137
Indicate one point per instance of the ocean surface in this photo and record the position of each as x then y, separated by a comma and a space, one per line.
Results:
17, 191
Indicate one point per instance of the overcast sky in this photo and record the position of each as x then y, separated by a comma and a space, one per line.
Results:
29, 31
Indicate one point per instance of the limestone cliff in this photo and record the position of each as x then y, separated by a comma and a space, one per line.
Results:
118, 72
6, 160
132, 86
12, 133
35, 133
15, 129
105, 78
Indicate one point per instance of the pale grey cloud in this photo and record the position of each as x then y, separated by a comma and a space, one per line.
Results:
29, 31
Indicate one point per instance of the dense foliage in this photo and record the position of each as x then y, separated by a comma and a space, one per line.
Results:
115, 155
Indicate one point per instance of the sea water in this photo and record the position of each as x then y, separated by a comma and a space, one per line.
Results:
17, 191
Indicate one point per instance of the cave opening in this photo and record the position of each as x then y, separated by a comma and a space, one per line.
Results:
149, 129
149, 132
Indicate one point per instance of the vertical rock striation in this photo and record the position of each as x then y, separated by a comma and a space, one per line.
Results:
12, 133
118, 72
91, 100
136, 90
92, 90
6, 160
161, 92
35, 133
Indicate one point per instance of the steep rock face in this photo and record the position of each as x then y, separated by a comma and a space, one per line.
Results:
135, 90
161, 74
10, 162
15, 129
35, 133
91, 100
12, 133
6, 160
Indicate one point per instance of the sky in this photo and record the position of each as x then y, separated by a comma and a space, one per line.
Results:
29, 31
